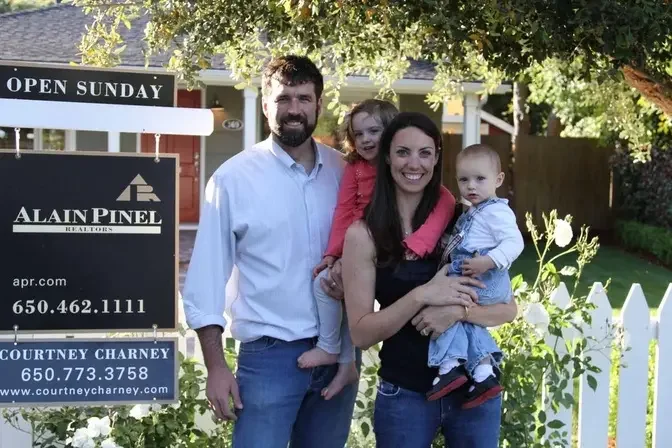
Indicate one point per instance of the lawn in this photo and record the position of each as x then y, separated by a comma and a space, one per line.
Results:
623, 268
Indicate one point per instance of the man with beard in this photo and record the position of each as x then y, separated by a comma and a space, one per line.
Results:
264, 224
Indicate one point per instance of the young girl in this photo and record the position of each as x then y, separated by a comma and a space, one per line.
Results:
364, 126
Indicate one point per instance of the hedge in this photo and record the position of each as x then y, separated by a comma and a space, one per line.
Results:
656, 241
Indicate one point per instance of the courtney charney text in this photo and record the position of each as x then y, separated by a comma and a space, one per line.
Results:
80, 354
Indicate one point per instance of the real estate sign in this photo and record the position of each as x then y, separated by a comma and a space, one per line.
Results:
88, 372
89, 242
79, 85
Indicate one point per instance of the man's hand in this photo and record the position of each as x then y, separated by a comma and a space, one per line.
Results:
327, 262
476, 266
333, 283
434, 320
220, 384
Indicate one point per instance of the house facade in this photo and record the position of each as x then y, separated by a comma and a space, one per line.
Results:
49, 37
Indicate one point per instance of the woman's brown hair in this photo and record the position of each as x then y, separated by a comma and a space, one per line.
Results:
382, 214
381, 110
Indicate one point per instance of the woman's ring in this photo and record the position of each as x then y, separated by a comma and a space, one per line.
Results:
333, 284
424, 332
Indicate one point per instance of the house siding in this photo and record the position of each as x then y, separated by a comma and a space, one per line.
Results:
223, 144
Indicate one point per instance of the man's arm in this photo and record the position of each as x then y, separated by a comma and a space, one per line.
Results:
205, 294
210, 268
210, 338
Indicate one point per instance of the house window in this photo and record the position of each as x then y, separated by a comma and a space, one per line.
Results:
8, 138
53, 139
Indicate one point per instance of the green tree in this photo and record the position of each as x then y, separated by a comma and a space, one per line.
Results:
20, 5
628, 42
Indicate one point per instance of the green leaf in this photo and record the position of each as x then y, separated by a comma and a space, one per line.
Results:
120, 50
365, 429
551, 268
555, 424
516, 282
592, 382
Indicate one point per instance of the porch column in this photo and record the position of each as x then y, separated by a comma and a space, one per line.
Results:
113, 141
38, 140
471, 132
250, 114
70, 140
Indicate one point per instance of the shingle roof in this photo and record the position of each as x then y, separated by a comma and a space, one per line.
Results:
53, 34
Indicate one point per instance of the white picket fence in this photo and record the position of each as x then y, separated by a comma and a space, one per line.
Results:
640, 328
593, 419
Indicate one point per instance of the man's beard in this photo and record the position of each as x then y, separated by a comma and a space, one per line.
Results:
293, 137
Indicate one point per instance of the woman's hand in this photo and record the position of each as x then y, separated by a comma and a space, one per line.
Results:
333, 283
443, 290
434, 320
327, 262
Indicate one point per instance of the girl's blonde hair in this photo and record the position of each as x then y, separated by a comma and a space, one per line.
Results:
381, 110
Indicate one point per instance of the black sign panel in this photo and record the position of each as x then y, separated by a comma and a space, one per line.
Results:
88, 372
89, 242
86, 86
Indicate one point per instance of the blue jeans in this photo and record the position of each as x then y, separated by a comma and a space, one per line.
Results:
405, 419
467, 343
282, 402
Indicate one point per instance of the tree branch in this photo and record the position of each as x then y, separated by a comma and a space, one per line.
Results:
658, 92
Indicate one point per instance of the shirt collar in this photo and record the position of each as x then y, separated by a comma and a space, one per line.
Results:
286, 159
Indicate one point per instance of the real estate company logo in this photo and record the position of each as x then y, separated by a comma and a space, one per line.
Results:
96, 220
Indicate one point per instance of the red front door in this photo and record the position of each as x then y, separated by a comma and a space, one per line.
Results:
189, 149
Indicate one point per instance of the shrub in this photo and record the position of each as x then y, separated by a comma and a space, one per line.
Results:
139, 426
655, 241
643, 191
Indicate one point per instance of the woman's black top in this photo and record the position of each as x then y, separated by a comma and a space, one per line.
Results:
403, 357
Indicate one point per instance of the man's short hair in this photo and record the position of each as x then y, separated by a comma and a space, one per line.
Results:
292, 70
480, 149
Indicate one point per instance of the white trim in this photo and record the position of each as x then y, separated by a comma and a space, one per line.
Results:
105, 117
114, 142
250, 117
479, 87
138, 143
188, 226
471, 129
38, 138
202, 157
70, 140
497, 122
